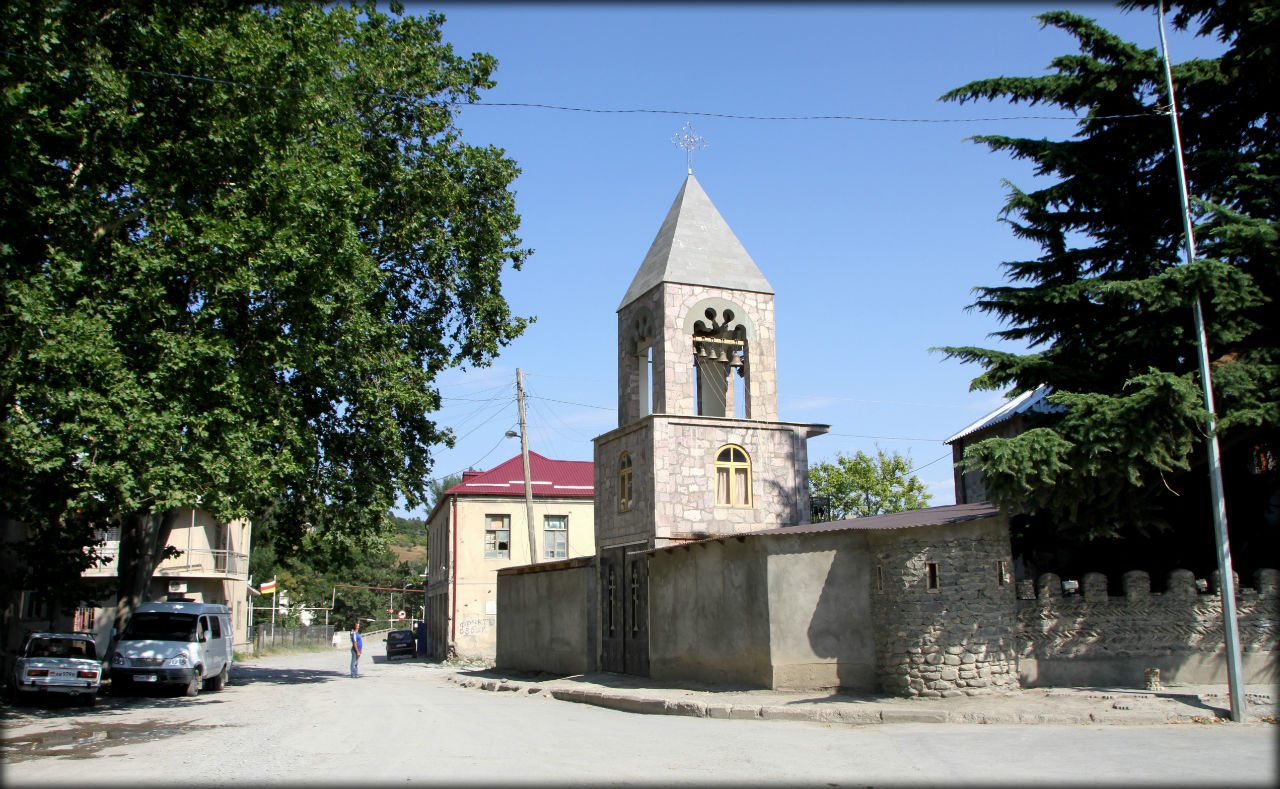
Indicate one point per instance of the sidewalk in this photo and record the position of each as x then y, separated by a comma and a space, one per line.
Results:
1176, 704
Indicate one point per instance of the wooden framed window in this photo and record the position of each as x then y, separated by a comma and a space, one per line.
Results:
555, 536
624, 482
932, 580
733, 477
497, 537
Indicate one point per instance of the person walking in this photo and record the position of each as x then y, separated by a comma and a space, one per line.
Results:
357, 646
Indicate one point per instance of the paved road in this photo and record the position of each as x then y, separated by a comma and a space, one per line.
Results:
298, 719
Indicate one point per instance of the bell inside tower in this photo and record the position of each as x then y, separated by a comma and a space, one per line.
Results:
720, 365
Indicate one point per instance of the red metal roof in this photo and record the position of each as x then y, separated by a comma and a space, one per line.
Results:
549, 478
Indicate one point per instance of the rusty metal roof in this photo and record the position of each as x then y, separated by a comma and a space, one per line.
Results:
929, 516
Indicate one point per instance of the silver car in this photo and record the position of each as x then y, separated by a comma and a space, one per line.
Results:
57, 663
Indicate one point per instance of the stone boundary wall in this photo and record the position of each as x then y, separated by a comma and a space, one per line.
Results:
1093, 638
951, 634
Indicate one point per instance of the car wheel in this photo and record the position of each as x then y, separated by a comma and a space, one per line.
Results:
193, 687
216, 683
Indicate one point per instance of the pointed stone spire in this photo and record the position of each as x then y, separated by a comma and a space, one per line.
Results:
696, 247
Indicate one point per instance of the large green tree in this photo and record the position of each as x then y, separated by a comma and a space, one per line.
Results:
239, 241
854, 486
1106, 308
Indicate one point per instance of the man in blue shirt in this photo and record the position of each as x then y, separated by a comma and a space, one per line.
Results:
357, 646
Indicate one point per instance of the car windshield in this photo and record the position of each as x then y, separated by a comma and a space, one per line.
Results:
162, 626
61, 648
400, 635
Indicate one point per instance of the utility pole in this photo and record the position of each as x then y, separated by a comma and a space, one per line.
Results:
524, 457
1226, 576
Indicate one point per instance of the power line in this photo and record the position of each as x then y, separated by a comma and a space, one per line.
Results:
566, 402
887, 438
930, 463
739, 117
596, 110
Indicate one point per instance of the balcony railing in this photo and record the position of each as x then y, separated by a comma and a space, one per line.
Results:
202, 561
196, 562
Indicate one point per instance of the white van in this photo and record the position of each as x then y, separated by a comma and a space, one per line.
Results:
185, 644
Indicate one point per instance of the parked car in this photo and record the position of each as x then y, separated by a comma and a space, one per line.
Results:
57, 663
175, 644
400, 643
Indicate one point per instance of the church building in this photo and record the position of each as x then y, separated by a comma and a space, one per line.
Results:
707, 566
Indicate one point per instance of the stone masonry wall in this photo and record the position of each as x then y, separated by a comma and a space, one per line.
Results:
684, 475
615, 526
955, 639
674, 393
1180, 629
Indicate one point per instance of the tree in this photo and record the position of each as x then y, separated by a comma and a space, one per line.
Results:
1106, 308
239, 241
854, 487
437, 487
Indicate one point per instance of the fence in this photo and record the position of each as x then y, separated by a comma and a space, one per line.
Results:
269, 637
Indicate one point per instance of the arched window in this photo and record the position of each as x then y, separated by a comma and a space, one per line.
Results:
624, 482
733, 477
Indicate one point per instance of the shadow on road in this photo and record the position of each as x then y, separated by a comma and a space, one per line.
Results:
249, 675
59, 707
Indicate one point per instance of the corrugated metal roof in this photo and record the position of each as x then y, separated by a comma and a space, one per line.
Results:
1027, 401
554, 478
929, 516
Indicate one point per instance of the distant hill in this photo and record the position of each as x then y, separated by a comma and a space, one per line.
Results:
415, 555
408, 540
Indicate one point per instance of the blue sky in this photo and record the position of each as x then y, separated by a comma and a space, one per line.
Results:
872, 233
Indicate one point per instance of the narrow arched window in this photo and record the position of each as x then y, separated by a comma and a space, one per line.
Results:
624, 482
733, 477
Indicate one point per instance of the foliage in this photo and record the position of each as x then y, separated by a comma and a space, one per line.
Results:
407, 532
862, 485
236, 287
1106, 308
437, 487
311, 575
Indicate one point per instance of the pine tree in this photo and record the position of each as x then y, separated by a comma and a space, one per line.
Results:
1106, 308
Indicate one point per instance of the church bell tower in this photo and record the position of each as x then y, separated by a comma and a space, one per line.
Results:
699, 449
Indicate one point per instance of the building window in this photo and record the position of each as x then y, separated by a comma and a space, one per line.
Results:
83, 619
497, 537
555, 536
733, 477
34, 606
932, 575
624, 482
1002, 572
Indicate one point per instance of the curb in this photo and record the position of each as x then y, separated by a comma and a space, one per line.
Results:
854, 716
1118, 713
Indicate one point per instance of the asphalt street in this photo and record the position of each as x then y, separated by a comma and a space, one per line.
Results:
297, 719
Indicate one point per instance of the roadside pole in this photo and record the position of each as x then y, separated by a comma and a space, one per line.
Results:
1226, 576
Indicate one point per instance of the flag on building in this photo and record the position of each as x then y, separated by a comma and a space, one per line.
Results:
268, 587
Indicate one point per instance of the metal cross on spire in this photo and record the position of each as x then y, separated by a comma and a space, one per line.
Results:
689, 141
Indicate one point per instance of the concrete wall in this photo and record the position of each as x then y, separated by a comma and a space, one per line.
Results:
465, 613
709, 613
1095, 638
548, 617
820, 633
